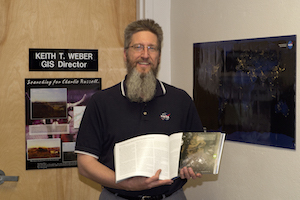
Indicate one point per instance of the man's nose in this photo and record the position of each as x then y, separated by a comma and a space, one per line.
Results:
145, 52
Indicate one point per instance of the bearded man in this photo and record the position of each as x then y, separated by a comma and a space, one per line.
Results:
138, 105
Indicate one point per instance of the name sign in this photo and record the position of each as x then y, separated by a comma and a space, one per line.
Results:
63, 60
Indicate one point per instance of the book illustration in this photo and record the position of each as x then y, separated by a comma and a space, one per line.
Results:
201, 151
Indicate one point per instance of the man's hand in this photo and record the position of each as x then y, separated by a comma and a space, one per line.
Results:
89, 167
188, 173
143, 183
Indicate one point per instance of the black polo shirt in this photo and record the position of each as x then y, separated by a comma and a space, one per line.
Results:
110, 118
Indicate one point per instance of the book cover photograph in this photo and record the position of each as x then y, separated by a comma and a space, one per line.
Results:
202, 151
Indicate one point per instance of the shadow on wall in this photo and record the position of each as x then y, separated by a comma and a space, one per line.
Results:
197, 182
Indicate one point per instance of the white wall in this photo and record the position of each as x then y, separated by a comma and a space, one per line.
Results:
247, 171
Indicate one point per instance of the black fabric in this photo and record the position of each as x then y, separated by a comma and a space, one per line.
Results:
110, 118
157, 197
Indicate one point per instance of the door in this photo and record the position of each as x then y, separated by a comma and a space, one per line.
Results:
55, 24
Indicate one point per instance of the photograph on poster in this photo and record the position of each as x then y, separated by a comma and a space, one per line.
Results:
246, 88
48, 103
44, 149
54, 108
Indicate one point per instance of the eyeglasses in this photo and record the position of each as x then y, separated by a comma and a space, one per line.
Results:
140, 48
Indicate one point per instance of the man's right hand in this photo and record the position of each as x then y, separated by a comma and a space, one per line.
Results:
89, 167
143, 183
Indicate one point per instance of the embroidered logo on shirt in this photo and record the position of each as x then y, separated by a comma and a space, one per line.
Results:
165, 116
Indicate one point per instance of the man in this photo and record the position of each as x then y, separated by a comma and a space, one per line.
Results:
138, 105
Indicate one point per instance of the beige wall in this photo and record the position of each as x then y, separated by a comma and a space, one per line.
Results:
247, 171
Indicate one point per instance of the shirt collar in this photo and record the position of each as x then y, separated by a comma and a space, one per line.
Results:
160, 88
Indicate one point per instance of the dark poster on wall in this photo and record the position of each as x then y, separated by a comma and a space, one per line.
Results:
246, 88
54, 108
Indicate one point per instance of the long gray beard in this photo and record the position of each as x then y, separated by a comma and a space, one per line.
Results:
140, 87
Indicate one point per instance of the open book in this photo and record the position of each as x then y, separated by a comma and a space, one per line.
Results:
144, 155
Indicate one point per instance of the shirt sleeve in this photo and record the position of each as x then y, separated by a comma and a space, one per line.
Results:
89, 140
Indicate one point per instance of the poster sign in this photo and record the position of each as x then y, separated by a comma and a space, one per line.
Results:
246, 88
54, 108
63, 60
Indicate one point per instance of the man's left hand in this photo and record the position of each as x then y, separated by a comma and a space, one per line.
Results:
188, 173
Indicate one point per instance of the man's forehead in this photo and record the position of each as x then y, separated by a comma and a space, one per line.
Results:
144, 37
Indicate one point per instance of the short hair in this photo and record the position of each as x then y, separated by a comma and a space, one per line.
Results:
143, 25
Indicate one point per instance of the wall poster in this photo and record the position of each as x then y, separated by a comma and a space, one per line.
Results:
54, 108
246, 88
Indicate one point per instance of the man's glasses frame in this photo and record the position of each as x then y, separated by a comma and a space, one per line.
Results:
141, 47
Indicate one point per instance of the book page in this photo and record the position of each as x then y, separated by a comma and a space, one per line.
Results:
161, 156
175, 146
126, 156
142, 156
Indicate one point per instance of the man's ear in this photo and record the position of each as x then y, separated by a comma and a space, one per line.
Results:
159, 60
125, 56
